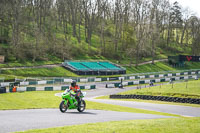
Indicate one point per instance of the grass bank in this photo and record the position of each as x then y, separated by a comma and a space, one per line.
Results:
160, 66
62, 72
172, 125
40, 72
190, 89
30, 63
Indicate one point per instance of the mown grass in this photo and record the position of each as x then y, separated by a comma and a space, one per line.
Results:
29, 63
47, 99
190, 89
62, 72
103, 106
170, 125
40, 72
29, 100
159, 67
6, 77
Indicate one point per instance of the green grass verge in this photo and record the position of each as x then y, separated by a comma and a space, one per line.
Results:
103, 106
178, 90
46, 99
159, 67
62, 72
29, 100
6, 77
171, 125
40, 72
30, 63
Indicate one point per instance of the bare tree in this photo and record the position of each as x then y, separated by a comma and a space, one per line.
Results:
195, 34
186, 15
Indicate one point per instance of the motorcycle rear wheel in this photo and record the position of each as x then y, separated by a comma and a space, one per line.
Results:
63, 107
81, 106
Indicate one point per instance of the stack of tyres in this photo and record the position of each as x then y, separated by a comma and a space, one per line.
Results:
48, 88
198, 101
2, 89
158, 98
31, 89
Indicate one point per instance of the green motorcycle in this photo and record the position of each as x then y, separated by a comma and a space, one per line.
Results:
70, 102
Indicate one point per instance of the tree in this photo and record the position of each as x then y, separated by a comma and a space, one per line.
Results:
140, 26
130, 42
186, 15
176, 19
35, 29
195, 34
153, 27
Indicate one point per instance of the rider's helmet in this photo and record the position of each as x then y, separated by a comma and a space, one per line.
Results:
73, 83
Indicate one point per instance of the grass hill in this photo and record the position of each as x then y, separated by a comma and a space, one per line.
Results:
50, 32
66, 46
61, 48
62, 72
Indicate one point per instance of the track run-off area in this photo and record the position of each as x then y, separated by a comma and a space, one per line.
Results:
22, 120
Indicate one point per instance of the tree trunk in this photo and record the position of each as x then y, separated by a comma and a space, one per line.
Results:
183, 34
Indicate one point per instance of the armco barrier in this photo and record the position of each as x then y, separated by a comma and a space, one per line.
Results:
49, 88
112, 85
125, 77
50, 82
158, 98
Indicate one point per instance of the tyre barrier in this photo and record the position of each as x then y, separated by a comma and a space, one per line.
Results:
2, 89
92, 79
49, 88
113, 85
158, 98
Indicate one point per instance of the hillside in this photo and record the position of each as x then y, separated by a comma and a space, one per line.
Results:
38, 32
61, 72
34, 33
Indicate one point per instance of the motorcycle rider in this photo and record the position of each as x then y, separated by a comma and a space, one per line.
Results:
76, 89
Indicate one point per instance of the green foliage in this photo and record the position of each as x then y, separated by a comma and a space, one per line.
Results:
35, 36
76, 50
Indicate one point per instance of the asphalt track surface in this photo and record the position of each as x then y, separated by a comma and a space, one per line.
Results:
166, 108
21, 120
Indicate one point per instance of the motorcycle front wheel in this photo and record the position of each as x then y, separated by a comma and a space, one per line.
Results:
81, 106
63, 107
